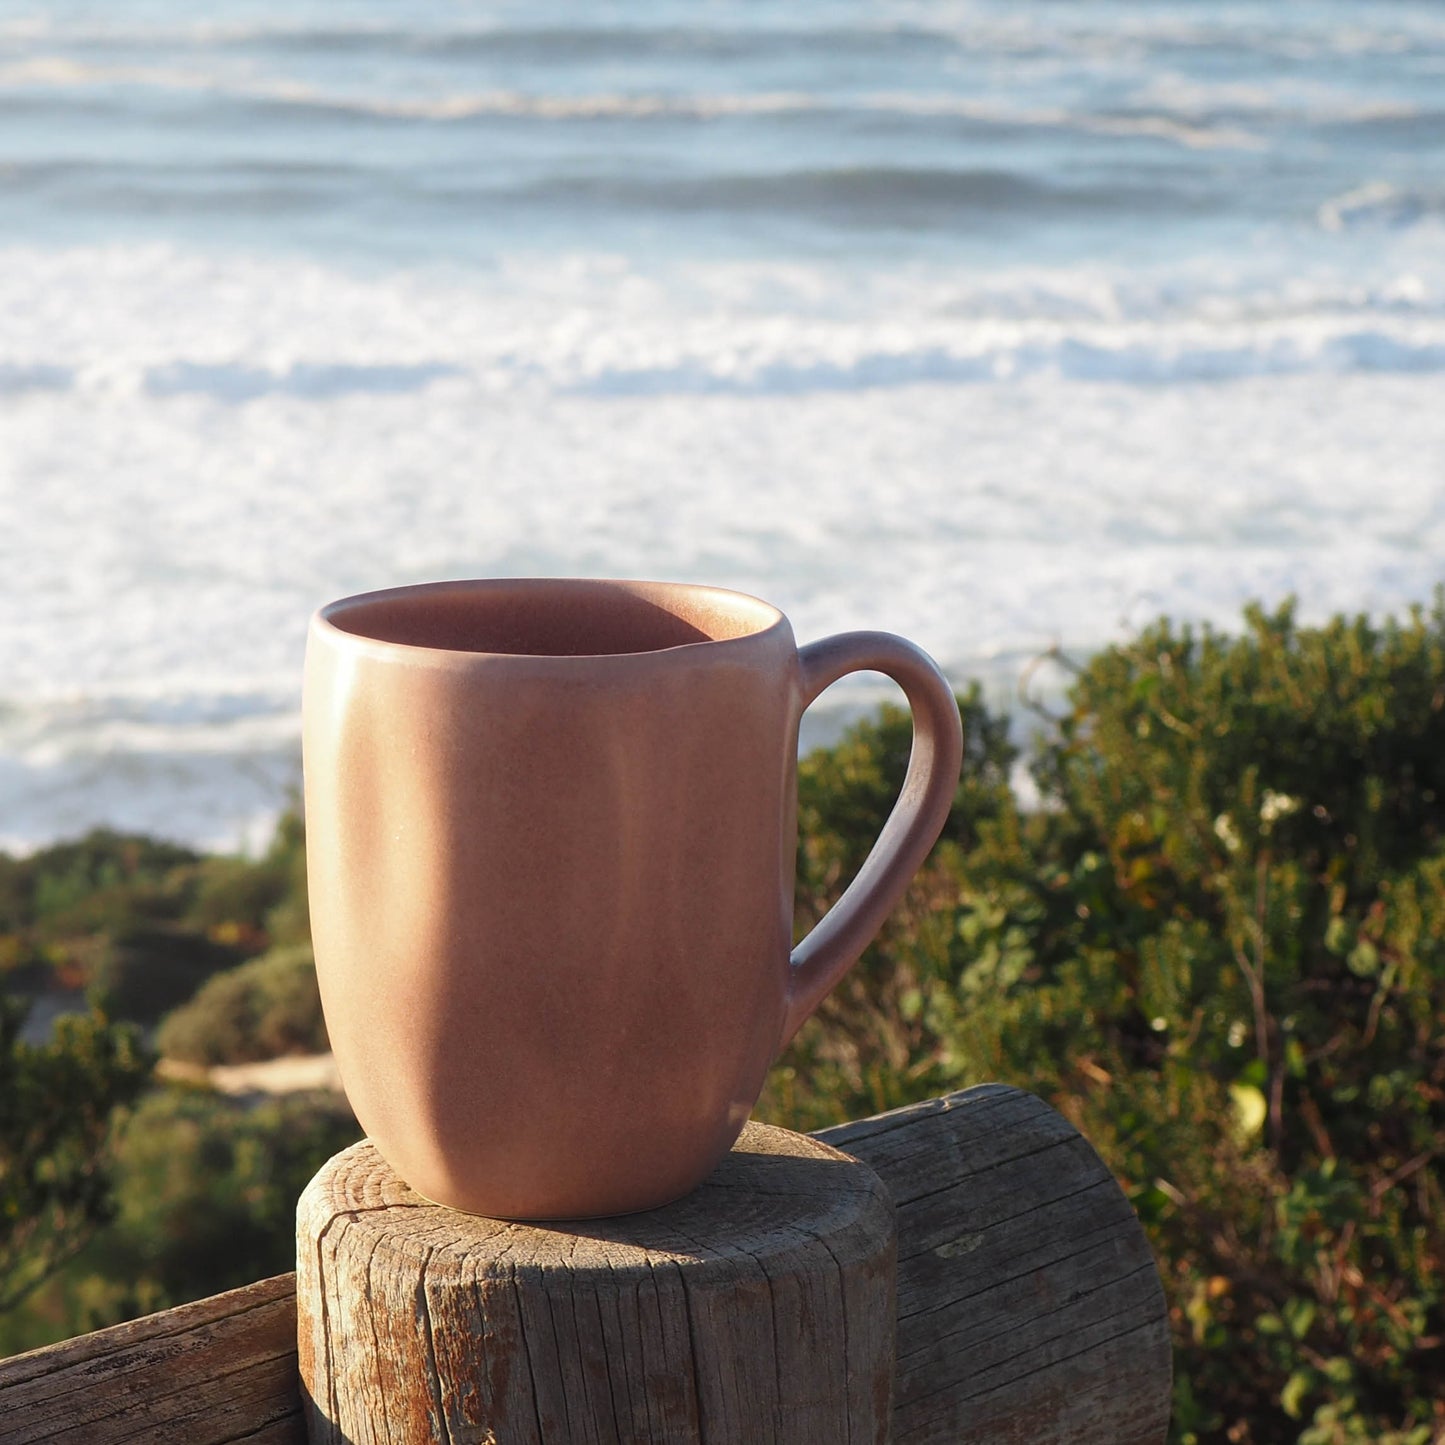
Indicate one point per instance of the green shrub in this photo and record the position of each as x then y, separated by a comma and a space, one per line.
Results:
143, 923
207, 1187
143, 973
874, 1044
1249, 831
58, 1104
260, 903
1219, 948
205, 1200
259, 1010
103, 882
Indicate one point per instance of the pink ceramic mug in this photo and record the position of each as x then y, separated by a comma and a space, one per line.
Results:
550, 833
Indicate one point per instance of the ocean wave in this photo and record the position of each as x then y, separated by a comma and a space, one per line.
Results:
218, 714
1269, 101
757, 361
1162, 362
871, 197
521, 105
881, 197
1114, 32
1170, 107
34, 376
67, 74
214, 798
158, 323
1382, 205
627, 41
318, 381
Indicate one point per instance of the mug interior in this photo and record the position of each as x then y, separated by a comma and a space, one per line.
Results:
541, 617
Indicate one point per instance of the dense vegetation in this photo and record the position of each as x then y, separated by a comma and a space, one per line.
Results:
263, 1009
1217, 945
149, 1200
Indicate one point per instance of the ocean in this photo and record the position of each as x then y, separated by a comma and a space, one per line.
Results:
1000, 324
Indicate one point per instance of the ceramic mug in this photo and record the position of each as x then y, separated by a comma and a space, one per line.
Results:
550, 838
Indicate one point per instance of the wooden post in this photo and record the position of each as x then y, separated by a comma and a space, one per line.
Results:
758, 1310
1029, 1309
1029, 1304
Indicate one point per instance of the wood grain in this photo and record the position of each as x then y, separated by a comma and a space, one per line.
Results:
1029, 1309
218, 1371
759, 1308
1029, 1303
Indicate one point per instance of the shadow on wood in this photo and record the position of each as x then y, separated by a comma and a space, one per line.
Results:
1029, 1303
1028, 1309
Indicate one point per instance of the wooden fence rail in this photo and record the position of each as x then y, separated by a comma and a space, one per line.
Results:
1029, 1308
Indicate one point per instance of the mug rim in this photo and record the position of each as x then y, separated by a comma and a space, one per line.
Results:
325, 622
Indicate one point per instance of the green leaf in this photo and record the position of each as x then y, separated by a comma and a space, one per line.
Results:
1299, 1315
1150, 1203
1364, 959
1292, 1397
1250, 1109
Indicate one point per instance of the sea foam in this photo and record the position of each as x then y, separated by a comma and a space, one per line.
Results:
209, 447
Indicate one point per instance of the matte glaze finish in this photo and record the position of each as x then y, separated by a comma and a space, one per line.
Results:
550, 838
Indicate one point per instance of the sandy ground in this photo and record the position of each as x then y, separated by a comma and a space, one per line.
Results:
271, 1076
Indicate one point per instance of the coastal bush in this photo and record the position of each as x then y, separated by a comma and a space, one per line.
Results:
262, 1009
257, 903
206, 1190
874, 1044
1260, 957
103, 882
142, 924
137, 925
58, 1106
1218, 946
204, 1200
140, 974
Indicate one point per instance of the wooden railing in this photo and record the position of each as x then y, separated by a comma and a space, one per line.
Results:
1029, 1308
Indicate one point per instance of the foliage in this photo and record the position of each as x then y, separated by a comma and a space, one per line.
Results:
142, 973
1219, 948
141, 924
205, 1200
875, 1044
57, 1103
137, 925
207, 1187
263, 1009
1266, 814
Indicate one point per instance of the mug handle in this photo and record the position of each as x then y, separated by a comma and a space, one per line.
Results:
841, 935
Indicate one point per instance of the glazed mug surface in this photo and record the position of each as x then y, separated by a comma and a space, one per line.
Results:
551, 828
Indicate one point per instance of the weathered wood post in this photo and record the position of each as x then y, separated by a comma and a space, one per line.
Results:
1029, 1311
758, 1309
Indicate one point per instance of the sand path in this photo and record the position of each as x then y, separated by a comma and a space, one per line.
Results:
269, 1076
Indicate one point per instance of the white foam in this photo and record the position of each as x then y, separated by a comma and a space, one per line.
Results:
1381, 204
160, 322
163, 545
